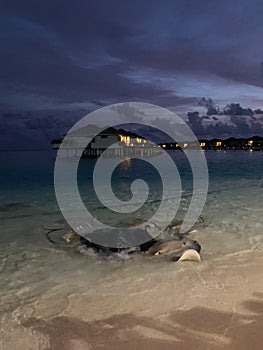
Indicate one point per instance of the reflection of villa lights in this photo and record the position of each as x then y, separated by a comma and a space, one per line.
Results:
131, 144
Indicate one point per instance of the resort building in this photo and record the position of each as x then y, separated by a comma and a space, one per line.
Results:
109, 142
254, 143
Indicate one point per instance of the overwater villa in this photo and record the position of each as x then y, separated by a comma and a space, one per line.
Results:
254, 143
91, 142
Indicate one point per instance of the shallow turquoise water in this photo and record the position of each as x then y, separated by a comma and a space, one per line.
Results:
27, 185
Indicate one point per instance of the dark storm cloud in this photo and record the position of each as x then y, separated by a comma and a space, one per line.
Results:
79, 55
240, 126
82, 50
30, 131
42, 66
57, 54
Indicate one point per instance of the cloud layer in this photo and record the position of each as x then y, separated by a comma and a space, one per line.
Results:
78, 55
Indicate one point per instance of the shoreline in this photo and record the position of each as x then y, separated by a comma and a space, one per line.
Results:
207, 305
57, 299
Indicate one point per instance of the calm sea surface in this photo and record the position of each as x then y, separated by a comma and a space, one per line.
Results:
27, 187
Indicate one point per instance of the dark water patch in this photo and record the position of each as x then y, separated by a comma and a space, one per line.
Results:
22, 216
15, 206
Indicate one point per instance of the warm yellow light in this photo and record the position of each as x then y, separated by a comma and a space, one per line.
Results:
138, 140
164, 146
250, 143
185, 145
218, 144
177, 145
202, 144
125, 139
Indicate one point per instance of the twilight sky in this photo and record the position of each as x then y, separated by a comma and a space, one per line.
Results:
61, 59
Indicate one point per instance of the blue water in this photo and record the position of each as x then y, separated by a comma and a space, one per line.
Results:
35, 272
27, 183
233, 207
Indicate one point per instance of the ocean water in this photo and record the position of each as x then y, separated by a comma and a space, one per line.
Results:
32, 268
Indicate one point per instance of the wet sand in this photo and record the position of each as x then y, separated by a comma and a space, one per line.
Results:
191, 306
198, 328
